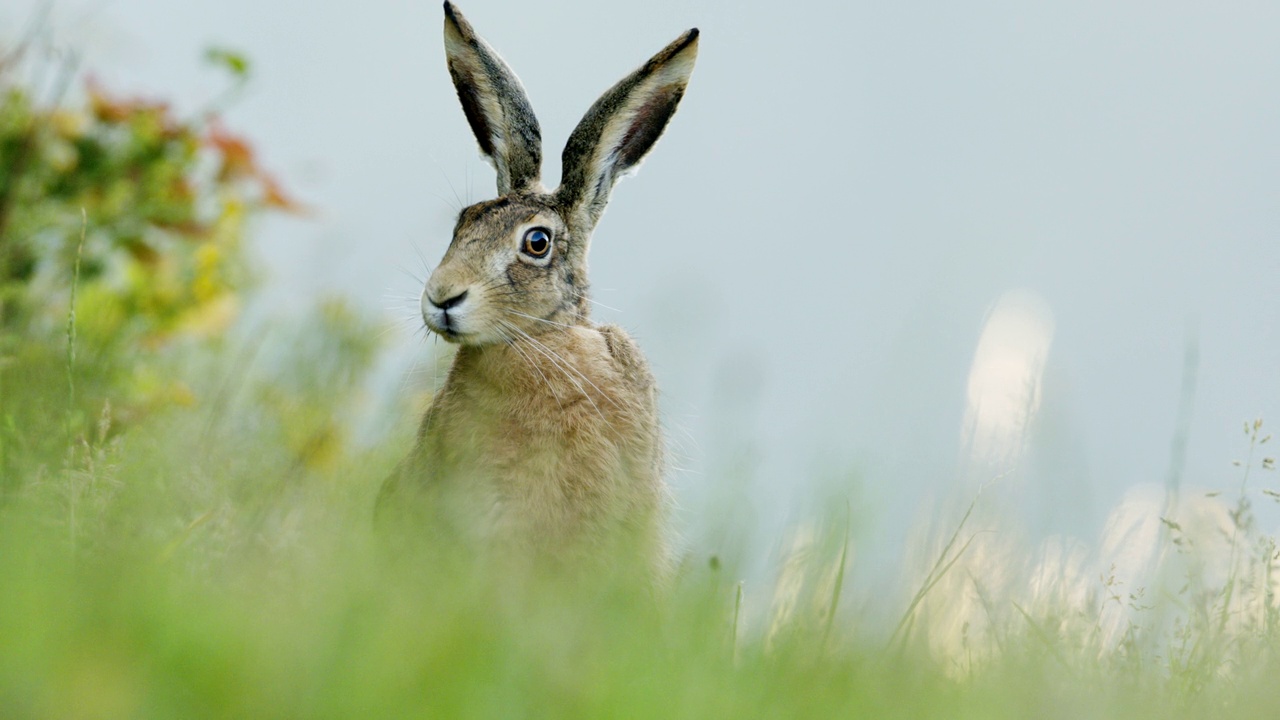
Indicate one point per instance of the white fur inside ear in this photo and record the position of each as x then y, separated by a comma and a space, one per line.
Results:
463, 58
673, 76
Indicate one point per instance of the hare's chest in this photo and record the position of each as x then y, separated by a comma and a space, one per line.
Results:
516, 466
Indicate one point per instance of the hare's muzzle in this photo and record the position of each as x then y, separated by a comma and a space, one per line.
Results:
442, 309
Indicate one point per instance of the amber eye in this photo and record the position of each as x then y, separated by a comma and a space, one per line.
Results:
537, 242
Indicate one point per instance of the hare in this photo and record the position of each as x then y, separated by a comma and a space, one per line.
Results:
545, 434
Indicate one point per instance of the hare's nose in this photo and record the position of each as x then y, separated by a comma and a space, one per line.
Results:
449, 302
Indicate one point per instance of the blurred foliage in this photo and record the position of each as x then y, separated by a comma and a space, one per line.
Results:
200, 567
139, 215
235, 63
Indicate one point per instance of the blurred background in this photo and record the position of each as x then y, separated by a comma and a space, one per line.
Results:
914, 249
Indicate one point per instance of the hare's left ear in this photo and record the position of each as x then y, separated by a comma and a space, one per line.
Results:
495, 104
622, 126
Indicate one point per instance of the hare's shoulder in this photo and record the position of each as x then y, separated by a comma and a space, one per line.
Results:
626, 355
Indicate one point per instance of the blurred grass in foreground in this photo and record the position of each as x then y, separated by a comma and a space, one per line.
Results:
200, 565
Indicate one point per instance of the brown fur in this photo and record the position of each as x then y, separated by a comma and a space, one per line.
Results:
545, 435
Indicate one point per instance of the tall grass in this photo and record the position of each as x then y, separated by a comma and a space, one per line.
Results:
220, 561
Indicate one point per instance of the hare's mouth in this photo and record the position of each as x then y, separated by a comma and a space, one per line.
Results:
455, 337
444, 321
448, 328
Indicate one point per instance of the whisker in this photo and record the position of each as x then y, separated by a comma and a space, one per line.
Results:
685, 470
536, 369
597, 302
435, 359
402, 307
423, 258
404, 381
411, 317
531, 317
449, 182
564, 368
495, 283
499, 293
386, 330
570, 366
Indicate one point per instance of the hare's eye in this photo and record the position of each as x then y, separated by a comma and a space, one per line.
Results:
537, 242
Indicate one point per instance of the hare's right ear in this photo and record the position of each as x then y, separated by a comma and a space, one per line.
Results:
622, 126
495, 104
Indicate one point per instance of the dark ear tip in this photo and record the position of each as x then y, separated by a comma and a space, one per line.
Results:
453, 18
451, 13
689, 38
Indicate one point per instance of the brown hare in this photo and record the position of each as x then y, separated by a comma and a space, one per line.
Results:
545, 434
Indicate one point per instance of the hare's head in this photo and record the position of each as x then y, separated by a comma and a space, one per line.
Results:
519, 263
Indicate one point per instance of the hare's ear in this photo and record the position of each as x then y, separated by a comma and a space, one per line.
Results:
622, 126
495, 104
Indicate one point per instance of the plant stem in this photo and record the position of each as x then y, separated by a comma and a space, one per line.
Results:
71, 319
